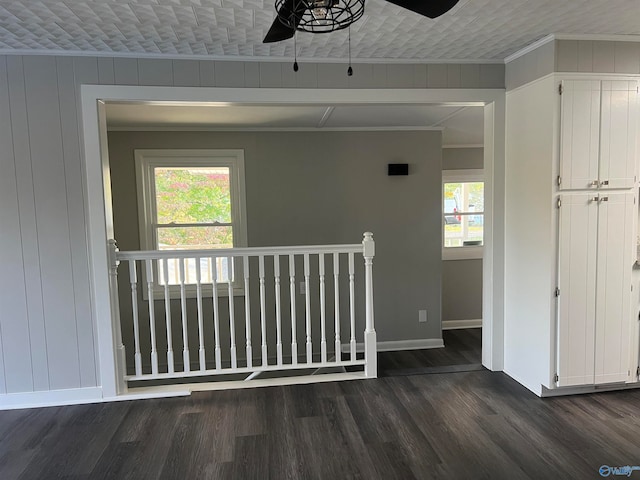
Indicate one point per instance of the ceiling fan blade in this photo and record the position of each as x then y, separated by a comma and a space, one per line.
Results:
279, 31
427, 8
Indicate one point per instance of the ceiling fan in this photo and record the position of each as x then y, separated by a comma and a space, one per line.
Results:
316, 15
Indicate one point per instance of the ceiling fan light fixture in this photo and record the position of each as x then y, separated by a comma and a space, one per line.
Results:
319, 16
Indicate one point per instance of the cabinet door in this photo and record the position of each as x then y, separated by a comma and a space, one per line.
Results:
578, 233
613, 286
579, 134
618, 130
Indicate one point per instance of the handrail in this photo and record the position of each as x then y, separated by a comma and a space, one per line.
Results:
237, 252
291, 265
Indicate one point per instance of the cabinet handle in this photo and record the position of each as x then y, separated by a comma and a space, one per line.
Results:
604, 182
604, 199
594, 183
594, 199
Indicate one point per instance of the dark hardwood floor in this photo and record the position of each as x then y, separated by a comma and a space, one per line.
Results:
462, 352
470, 425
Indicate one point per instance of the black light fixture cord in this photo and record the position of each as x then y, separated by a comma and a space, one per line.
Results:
349, 70
295, 53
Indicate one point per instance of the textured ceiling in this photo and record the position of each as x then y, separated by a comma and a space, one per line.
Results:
473, 30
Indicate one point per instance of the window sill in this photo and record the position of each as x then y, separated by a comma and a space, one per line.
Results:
462, 253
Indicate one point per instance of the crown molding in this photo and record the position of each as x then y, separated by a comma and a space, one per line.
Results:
530, 48
570, 36
597, 37
230, 58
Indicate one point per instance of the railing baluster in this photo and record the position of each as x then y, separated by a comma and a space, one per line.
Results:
152, 318
247, 310
336, 294
216, 316
183, 317
263, 311
292, 293
196, 268
201, 352
307, 300
133, 277
323, 315
370, 355
352, 306
232, 320
167, 315
176, 267
276, 273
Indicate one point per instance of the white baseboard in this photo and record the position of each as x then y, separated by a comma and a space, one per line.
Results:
186, 389
397, 345
458, 324
51, 398
536, 389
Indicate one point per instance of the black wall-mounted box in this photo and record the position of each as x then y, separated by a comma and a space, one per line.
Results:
398, 169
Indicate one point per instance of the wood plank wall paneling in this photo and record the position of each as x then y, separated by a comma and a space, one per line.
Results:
46, 330
52, 218
25, 342
13, 297
186, 73
584, 56
531, 66
73, 168
597, 56
106, 71
126, 71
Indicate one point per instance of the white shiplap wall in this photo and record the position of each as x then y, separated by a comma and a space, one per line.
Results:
47, 337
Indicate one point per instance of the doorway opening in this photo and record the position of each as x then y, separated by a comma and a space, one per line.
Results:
99, 187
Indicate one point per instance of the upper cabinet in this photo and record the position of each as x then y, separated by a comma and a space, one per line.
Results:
598, 132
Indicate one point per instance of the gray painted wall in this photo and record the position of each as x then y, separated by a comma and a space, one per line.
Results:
297, 195
597, 56
462, 158
531, 66
585, 56
462, 279
46, 324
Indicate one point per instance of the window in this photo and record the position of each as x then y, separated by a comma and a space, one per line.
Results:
463, 214
191, 200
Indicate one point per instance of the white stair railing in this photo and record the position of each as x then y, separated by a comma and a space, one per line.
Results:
185, 289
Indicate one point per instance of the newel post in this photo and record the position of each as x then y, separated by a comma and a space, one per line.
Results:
370, 353
115, 317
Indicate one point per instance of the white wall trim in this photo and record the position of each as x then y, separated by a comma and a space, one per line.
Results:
247, 58
464, 145
400, 345
597, 37
460, 324
98, 188
530, 48
596, 76
558, 392
50, 398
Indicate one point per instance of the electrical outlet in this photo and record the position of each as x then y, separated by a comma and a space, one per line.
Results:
302, 289
422, 316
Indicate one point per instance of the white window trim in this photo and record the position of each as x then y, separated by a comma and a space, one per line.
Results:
452, 176
147, 159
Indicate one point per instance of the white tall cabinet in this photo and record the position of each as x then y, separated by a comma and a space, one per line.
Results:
595, 260
596, 234
571, 221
